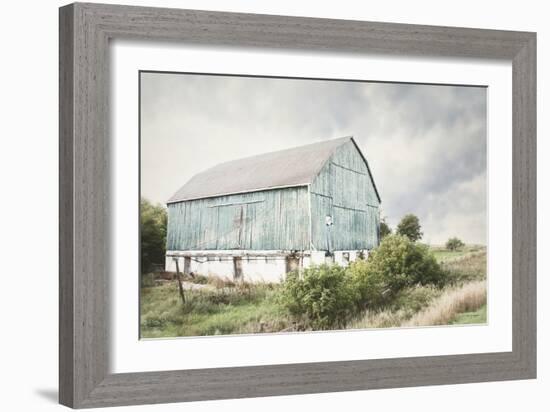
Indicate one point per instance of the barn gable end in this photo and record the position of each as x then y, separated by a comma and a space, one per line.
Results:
345, 190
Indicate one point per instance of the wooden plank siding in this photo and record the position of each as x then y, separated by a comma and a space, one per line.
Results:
290, 218
344, 190
264, 220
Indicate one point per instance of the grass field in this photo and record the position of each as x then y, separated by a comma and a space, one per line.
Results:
216, 307
443, 255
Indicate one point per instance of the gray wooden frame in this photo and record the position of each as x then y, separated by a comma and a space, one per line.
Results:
85, 30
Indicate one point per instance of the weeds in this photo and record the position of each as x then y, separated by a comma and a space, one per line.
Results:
222, 306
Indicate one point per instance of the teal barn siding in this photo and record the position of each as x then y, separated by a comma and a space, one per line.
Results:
263, 220
279, 201
344, 190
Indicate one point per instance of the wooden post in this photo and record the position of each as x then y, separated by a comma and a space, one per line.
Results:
178, 277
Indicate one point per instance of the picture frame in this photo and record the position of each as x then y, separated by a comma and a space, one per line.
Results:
85, 32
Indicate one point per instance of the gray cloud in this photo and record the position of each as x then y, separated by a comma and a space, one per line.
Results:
426, 144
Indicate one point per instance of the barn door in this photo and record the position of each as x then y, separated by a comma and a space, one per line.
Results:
229, 226
244, 223
235, 224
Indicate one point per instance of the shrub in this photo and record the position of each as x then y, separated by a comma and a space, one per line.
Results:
324, 295
327, 296
370, 284
396, 264
454, 243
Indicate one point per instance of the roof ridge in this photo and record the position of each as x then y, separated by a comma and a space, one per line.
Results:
279, 151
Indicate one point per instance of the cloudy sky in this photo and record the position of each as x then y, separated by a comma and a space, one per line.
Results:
425, 144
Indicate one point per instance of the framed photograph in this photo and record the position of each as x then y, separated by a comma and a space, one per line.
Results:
258, 205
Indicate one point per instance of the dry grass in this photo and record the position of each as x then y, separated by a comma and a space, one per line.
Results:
408, 302
380, 319
451, 303
441, 309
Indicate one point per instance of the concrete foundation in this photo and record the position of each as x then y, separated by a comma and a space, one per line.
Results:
253, 266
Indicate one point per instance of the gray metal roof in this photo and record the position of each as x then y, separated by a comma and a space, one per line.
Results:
297, 166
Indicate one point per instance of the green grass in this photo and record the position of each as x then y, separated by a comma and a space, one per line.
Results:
479, 316
223, 310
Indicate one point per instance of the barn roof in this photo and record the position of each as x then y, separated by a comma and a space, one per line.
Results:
297, 166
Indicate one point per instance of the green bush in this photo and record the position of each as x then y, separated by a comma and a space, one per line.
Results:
396, 264
371, 285
324, 295
327, 296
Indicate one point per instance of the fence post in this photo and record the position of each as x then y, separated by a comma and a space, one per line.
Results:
182, 295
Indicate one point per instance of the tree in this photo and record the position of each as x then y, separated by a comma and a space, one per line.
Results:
454, 243
410, 227
153, 220
385, 229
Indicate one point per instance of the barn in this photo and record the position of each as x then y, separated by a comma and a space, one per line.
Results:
259, 217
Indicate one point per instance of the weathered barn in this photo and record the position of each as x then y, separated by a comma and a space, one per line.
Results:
257, 218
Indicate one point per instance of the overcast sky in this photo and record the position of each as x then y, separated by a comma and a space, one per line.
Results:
426, 145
